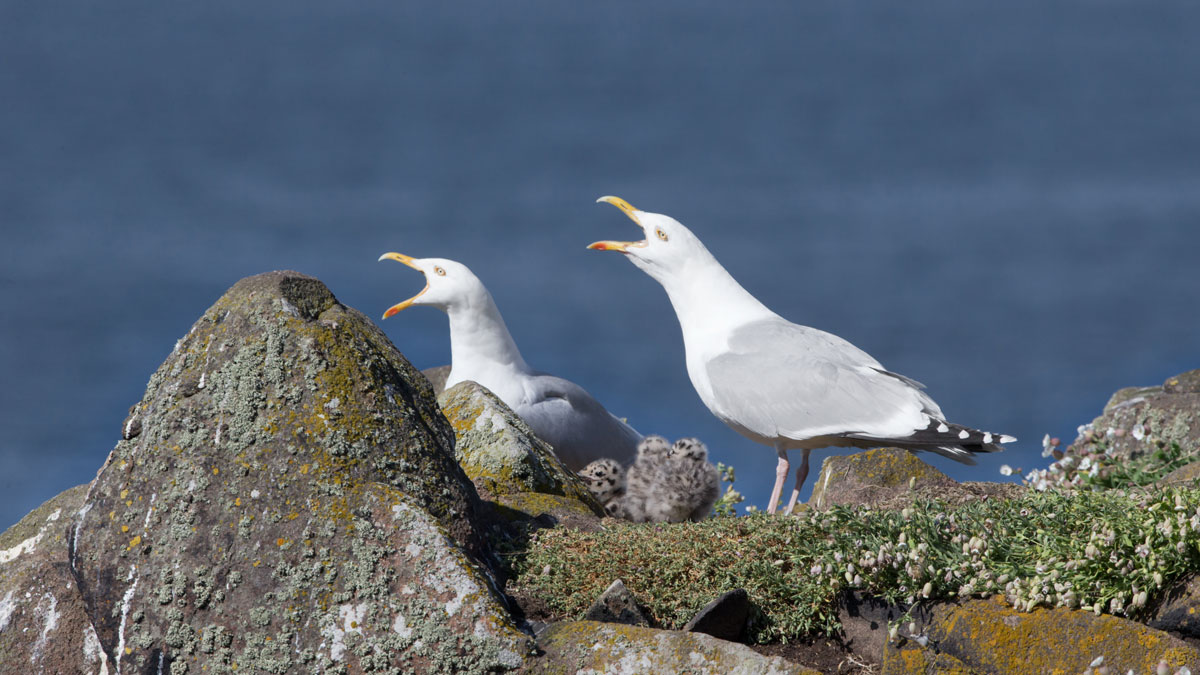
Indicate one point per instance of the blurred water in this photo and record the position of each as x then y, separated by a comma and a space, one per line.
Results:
1000, 200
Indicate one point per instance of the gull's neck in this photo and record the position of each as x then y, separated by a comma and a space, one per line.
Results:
480, 342
710, 303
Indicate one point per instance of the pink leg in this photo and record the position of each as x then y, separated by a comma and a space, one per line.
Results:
781, 472
801, 475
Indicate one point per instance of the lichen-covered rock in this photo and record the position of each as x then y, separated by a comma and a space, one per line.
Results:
280, 495
617, 605
880, 478
1139, 420
44, 626
1184, 475
988, 636
591, 647
506, 461
1179, 611
915, 660
872, 476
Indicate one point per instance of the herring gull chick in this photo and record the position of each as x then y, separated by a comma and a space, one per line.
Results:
559, 411
605, 479
642, 480
779, 383
696, 476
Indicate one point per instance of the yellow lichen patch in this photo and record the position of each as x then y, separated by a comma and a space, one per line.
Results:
124, 494
304, 468
124, 528
134, 542
237, 501
990, 635
216, 470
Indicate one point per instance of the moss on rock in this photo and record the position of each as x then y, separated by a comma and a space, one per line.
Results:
502, 455
872, 476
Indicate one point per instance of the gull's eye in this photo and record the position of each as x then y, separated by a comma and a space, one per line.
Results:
661, 235
439, 271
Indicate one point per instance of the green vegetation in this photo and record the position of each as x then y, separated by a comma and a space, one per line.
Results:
726, 505
1110, 551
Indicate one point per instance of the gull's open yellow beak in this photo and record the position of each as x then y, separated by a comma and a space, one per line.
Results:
407, 260
621, 246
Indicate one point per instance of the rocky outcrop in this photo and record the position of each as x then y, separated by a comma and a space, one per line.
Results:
586, 646
989, 636
726, 617
508, 463
617, 605
1138, 420
1188, 474
1179, 611
285, 498
44, 626
892, 478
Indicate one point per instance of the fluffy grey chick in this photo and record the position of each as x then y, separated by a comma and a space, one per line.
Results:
642, 480
689, 461
605, 479
687, 487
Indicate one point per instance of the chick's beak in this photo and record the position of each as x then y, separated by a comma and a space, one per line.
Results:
620, 246
407, 260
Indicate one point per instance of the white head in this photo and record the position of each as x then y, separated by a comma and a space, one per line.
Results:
668, 249
448, 284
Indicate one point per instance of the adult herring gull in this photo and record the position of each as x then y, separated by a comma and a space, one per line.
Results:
559, 411
779, 383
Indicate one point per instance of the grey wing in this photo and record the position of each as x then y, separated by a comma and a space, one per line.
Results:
780, 379
575, 424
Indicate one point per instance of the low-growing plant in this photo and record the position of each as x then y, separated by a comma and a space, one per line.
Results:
1106, 552
726, 505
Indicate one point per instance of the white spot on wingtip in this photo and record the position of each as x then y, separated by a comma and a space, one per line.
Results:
1005, 438
942, 428
963, 434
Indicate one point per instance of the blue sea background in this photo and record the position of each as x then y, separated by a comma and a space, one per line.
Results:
1001, 200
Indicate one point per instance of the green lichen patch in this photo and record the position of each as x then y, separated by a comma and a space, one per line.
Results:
872, 476
1109, 552
500, 453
